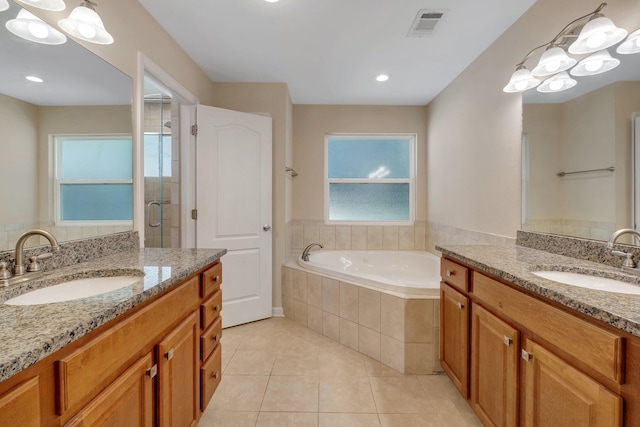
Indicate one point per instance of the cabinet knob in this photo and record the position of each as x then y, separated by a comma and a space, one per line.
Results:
216, 337
169, 354
216, 308
216, 375
450, 273
152, 371
526, 355
507, 340
216, 279
460, 305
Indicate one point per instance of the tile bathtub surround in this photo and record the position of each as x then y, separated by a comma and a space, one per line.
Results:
77, 251
441, 234
301, 233
306, 379
401, 333
574, 247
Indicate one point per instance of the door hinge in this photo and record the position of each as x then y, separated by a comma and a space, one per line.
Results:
194, 213
194, 130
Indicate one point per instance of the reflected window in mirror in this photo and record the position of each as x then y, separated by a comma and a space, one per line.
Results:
94, 180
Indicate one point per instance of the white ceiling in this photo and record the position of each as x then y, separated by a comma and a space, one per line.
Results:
330, 51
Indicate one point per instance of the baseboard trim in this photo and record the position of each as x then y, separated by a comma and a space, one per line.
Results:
277, 312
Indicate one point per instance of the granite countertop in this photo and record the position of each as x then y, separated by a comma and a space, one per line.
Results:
31, 333
515, 264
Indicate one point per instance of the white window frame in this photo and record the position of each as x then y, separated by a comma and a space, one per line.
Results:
58, 182
412, 137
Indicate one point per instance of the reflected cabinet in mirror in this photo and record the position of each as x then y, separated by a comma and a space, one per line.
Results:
577, 163
66, 142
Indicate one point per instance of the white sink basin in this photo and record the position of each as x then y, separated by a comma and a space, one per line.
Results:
74, 289
589, 282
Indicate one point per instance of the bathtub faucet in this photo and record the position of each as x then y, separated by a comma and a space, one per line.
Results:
305, 253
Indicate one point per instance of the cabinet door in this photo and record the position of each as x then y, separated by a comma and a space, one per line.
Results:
494, 369
128, 401
20, 406
178, 362
557, 394
454, 337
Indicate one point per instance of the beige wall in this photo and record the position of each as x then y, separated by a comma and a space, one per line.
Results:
19, 169
271, 98
312, 122
474, 129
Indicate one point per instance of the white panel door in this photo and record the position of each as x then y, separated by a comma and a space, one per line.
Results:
234, 207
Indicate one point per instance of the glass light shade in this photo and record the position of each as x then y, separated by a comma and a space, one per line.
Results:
596, 63
4, 5
552, 61
631, 44
599, 33
86, 25
54, 5
521, 80
557, 83
29, 27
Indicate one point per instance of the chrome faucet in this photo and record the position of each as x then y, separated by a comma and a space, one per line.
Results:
18, 269
305, 253
628, 265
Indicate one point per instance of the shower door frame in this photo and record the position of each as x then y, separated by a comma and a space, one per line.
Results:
188, 102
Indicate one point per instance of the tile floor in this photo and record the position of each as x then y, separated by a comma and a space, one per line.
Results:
278, 373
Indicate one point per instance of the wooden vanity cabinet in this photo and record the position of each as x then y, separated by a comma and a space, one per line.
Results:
494, 369
20, 406
141, 369
534, 364
211, 326
454, 337
178, 386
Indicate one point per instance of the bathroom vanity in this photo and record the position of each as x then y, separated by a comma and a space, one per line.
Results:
145, 355
529, 351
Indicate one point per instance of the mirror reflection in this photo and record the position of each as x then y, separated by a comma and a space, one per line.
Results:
577, 167
67, 140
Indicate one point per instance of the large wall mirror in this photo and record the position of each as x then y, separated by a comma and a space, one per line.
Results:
66, 142
577, 154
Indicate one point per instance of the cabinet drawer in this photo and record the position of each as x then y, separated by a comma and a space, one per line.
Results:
210, 338
210, 377
210, 309
20, 406
596, 347
211, 280
89, 369
455, 274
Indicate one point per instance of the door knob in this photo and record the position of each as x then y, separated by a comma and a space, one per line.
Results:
266, 227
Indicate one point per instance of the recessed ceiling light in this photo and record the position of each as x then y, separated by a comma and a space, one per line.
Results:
382, 78
34, 79
271, 1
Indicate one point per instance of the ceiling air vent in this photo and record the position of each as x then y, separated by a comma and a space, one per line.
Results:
426, 22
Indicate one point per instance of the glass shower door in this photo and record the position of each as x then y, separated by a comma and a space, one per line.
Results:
161, 170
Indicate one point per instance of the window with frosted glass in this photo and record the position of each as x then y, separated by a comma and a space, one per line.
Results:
370, 178
94, 178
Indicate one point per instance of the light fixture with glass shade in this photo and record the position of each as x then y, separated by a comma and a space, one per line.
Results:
597, 34
4, 5
85, 24
596, 63
29, 27
553, 60
631, 44
557, 83
521, 80
53, 5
